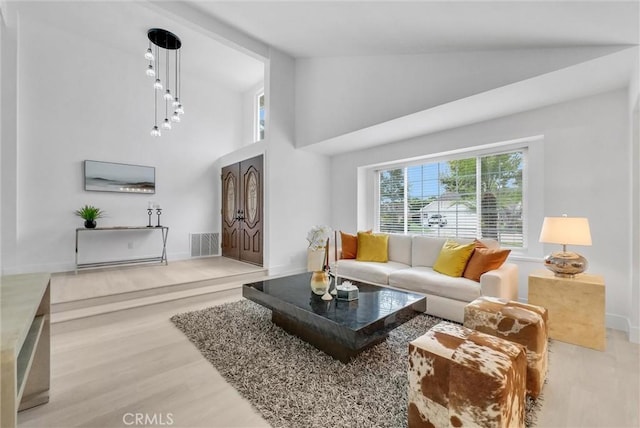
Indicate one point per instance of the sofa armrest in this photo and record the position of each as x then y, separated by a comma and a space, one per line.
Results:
501, 282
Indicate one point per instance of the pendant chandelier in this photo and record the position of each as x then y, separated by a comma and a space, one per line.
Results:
169, 42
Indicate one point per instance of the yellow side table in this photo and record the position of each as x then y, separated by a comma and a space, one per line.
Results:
575, 305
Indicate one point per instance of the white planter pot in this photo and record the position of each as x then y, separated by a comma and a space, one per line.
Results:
315, 259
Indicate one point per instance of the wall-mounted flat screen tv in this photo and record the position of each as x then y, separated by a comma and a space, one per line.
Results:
119, 177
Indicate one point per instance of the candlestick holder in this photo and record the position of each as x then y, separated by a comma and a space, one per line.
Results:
333, 273
159, 212
149, 211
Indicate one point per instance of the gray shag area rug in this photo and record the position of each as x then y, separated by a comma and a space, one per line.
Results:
292, 384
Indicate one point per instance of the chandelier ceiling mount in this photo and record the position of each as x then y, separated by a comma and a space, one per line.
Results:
163, 38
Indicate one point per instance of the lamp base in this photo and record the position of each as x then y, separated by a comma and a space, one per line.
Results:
565, 264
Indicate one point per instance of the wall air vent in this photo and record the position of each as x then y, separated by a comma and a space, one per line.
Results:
204, 244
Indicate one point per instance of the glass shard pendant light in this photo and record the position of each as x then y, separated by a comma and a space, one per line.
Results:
167, 93
163, 39
177, 104
149, 54
155, 132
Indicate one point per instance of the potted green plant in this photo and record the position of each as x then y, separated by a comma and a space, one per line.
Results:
90, 213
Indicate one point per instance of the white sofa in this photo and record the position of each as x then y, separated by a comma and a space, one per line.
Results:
410, 267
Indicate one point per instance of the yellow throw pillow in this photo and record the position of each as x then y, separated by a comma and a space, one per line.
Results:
373, 247
453, 258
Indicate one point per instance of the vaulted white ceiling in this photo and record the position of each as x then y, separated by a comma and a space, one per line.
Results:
123, 25
312, 29
340, 28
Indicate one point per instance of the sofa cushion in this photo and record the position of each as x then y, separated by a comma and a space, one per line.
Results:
427, 281
400, 248
373, 272
453, 258
373, 247
425, 250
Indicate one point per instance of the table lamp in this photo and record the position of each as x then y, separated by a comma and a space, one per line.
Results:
565, 231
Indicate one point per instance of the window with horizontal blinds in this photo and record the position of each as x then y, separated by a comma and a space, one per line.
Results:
392, 201
479, 196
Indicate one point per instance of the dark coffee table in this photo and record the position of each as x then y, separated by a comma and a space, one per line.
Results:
340, 328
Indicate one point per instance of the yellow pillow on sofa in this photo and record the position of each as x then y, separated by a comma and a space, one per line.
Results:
373, 247
453, 258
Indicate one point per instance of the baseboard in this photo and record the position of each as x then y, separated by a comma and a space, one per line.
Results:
634, 334
285, 270
617, 322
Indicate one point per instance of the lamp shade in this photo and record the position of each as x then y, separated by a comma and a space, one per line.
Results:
566, 231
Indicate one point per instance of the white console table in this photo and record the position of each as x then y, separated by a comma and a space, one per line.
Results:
160, 259
24, 327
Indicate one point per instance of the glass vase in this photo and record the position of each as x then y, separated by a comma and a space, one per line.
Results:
319, 282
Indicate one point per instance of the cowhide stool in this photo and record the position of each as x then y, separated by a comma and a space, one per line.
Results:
518, 322
461, 377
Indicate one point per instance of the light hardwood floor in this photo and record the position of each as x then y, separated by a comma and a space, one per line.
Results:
90, 284
109, 366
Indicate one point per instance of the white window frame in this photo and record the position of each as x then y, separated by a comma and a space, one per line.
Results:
523, 144
256, 115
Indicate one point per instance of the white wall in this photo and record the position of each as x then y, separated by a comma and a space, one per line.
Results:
8, 137
79, 99
580, 167
338, 95
634, 295
296, 182
634, 159
2, 61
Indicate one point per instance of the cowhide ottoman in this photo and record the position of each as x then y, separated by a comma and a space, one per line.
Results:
517, 322
460, 377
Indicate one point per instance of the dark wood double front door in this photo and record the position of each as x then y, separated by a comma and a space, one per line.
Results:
242, 211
